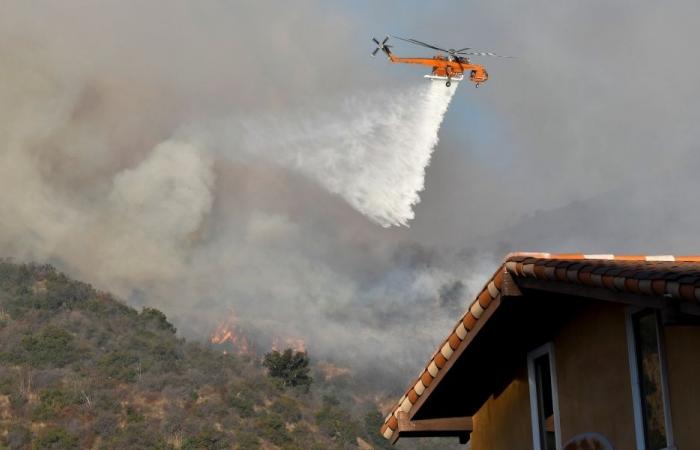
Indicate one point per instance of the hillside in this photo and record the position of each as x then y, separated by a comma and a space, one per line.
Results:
80, 369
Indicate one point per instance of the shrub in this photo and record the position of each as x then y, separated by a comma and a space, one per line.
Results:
17, 401
133, 415
305, 438
104, 401
56, 439
291, 367
288, 408
242, 403
330, 400
337, 423
52, 346
105, 424
271, 427
51, 402
6, 385
137, 436
119, 365
246, 440
63, 292
157, 318
209, 439
18, 437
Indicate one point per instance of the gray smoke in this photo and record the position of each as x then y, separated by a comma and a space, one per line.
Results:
145, 148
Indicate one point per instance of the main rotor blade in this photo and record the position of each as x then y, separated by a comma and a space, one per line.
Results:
376, 41
385, 39
485, 54
375, 51
413, 41
462, 49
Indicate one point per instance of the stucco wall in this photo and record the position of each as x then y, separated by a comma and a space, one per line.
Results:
595, 393
683, 359
503, 422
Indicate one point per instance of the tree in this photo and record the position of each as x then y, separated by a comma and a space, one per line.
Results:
290, 366
156, 317
52, 346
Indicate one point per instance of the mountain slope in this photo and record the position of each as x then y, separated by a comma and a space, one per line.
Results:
80, 369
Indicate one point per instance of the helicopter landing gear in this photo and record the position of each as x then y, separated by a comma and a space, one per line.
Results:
448, 84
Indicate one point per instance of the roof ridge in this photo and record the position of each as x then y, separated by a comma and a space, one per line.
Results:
604, 256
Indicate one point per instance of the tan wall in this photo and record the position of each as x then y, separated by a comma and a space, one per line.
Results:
683, 359
503, 422
592, 363
595, 393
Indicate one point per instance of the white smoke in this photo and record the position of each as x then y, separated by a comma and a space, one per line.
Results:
222, 213
372, 151
154, 210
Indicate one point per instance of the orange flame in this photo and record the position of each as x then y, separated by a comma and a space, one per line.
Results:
229, 333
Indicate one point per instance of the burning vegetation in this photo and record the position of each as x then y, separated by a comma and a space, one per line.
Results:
230, 337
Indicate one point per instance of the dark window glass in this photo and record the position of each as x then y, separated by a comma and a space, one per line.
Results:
545, 402
650, 379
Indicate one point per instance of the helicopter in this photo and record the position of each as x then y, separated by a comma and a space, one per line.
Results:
448, 65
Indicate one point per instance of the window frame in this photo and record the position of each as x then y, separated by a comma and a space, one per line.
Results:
638, 410
546, 349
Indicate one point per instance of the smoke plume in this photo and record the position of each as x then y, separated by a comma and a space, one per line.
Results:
203, 156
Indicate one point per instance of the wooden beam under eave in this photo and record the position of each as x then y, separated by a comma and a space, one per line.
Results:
444, 424
447, 426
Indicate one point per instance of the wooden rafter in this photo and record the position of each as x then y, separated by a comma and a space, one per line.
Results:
446, 426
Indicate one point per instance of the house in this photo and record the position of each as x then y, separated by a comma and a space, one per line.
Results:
568, 351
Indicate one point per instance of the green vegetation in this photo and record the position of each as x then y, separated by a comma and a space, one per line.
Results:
79, 369
336, 422
291, 367
51, 403
55, 438
51, 346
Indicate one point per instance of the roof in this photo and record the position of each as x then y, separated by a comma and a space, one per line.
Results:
665, 276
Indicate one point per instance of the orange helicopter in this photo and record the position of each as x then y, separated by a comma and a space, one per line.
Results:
448, 66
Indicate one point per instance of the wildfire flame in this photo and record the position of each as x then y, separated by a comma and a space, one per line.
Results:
229, 334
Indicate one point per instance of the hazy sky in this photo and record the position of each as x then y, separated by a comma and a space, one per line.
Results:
586, 141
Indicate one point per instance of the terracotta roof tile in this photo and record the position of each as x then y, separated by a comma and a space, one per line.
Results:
660, 275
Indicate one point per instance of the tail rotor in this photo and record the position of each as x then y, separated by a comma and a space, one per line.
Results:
382, 46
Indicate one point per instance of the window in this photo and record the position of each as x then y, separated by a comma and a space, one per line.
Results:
649, 384
544, 406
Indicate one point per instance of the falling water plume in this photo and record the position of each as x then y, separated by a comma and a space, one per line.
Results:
370, 150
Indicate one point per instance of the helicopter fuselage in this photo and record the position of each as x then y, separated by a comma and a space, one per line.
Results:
447, 67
